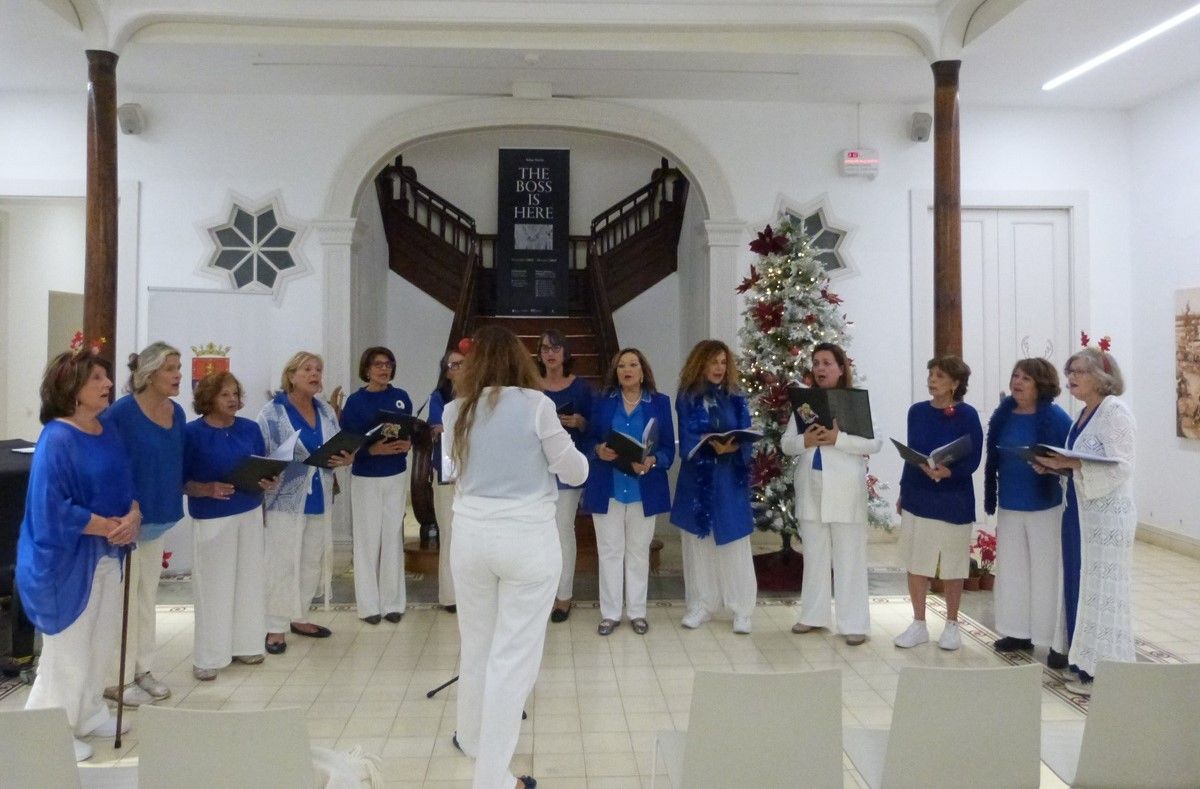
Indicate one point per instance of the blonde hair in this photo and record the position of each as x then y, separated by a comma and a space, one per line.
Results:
145, 364
691, 378
295, 363
497, 359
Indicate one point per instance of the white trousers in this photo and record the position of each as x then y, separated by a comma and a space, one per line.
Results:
74, 662
443, 510
1028, 565
564, 516
623, 537
142, 638
842, 548
717, 576
505, 573
377, 505
295, 553
228, 588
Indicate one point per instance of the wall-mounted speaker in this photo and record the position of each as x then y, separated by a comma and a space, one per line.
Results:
131, 119
920, 126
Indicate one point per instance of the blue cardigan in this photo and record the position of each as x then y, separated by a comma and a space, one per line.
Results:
656, 491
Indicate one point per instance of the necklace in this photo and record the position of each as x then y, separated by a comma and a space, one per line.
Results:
636, 398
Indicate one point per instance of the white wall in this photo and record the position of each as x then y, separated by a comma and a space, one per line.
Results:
41, 249
1166, 236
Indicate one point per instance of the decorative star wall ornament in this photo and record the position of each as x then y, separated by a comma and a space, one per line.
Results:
256, 246
830, 236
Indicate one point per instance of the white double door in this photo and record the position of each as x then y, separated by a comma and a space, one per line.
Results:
1018, 280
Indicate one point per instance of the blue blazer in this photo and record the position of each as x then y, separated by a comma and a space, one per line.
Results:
656, 491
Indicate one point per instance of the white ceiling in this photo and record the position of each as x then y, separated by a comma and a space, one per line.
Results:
804, 50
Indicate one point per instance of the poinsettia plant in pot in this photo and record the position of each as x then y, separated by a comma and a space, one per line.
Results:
984, 551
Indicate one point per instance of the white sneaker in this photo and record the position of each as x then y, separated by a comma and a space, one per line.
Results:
695, 618
916, 634
133, 696
83, 751
743, 624
109, 727
950, 639
1079, 688
154, 687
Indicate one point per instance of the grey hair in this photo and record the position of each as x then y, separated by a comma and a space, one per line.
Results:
145, 364
1102, 366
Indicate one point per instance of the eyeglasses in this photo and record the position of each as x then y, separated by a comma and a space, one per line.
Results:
1077, 371
453, 365
547, 347
382, 365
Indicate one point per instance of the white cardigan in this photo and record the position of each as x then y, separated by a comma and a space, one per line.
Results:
842, 479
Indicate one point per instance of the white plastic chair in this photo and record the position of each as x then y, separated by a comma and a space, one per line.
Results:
768, 730
36, 750
1142, 729
956, 727
200, 749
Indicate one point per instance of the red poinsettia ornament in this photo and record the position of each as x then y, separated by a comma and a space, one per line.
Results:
1105, 343
768, 242
768, 315
830, 296
750, 281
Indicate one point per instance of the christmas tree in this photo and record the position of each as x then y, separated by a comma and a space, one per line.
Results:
789, 309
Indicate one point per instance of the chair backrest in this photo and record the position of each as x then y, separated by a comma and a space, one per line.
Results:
36, 750
200, 749
764, 730
965, 727
1143, 727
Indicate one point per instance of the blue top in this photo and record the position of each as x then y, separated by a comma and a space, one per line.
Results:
953, 499
1019, 486
359, 415
156, 454
654, 491
625, 486
436, 405
713, 492
74, 475
312, 439
579, 394
210, 454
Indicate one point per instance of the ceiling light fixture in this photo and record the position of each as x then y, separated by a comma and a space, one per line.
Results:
1122, 48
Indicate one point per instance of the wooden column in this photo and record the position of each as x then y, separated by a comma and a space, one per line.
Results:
100, 247
947, 212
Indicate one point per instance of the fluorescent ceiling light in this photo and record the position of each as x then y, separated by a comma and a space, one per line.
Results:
1122, 48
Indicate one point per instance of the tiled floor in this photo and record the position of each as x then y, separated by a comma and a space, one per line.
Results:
598, 701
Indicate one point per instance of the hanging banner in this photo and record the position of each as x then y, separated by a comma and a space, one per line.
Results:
532, 254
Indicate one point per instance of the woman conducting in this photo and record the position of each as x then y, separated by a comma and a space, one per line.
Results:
624, 505
377, 492
712, 496
508, 446
299, 532
1099, 520
79, 512
572, 397
443, 489
831, 506
1029, 515
151, 426
937, 504
227, 530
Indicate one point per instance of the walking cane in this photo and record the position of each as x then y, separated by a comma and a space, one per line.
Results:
124, 641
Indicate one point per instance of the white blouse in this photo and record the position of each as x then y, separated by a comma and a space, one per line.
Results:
517, 447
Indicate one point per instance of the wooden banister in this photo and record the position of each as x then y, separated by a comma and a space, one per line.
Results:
602, 309
665, 193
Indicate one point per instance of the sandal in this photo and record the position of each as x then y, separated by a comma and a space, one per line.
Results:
607, 626
639, 625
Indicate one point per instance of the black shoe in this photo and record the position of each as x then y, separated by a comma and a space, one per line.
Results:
529, 781
1011, 644
560, 614
393, 616
451, 609
319, 632
1056, 660
373, 619
275, 649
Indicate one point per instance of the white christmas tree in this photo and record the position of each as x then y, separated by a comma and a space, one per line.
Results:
789, 309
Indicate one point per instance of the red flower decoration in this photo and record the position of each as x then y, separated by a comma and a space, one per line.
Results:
166, 560
830, 297
750, 281
1105, 343
465, 345
810, 319
767, 315
950, 412
764, 469
767, 242
1084, 339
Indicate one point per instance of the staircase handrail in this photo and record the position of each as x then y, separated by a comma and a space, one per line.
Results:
603, 309
460, 223
639, 209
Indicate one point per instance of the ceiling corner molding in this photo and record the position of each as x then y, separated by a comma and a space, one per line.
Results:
985, 15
